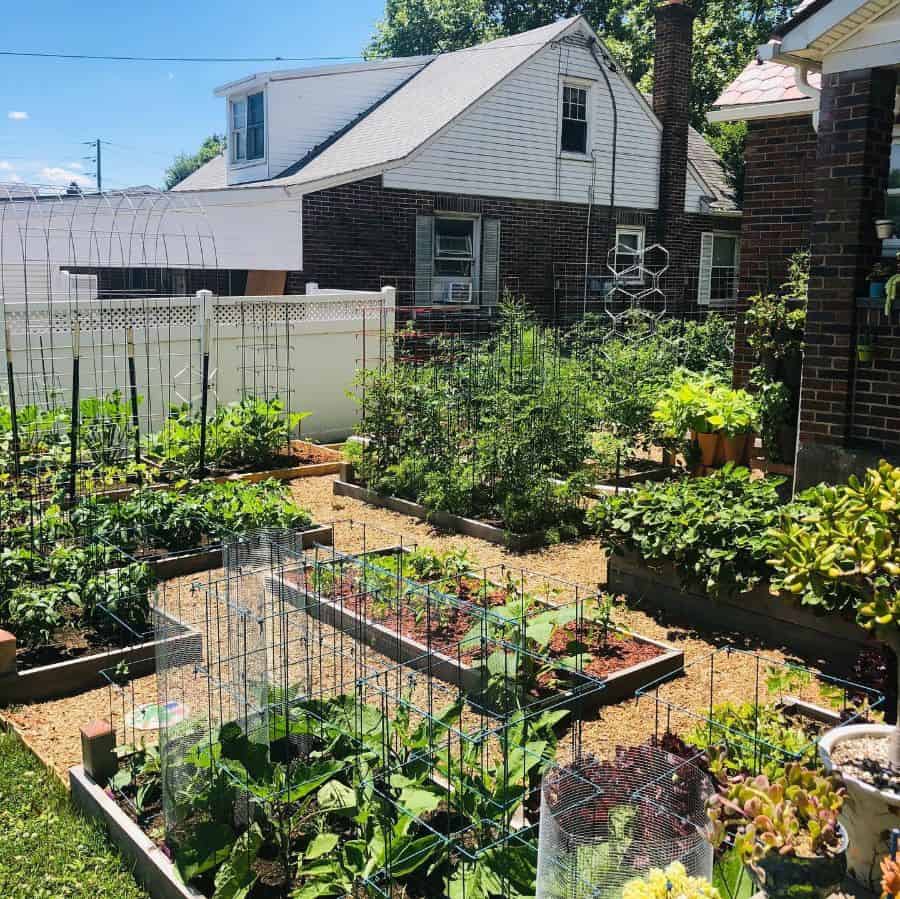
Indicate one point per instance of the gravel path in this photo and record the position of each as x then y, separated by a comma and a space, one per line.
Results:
52, 728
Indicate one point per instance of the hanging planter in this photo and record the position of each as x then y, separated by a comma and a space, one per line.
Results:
884, 228
865, 346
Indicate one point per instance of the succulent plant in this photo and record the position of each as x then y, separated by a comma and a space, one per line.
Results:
890, 876
796, 814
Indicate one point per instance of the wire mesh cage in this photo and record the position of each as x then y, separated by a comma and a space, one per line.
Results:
759, 713
123, 361
604, 823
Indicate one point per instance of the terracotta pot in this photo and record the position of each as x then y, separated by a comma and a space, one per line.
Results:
781, 875
868, 814
709, 445
734, 449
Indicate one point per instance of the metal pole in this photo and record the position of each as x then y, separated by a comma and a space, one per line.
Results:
73, 432
132, 388
14, 418
204, 395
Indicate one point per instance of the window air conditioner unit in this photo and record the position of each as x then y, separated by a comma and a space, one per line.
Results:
459, 292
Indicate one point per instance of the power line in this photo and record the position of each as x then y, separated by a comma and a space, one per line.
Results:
50, 54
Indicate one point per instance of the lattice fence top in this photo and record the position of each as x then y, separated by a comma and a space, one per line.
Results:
160, 313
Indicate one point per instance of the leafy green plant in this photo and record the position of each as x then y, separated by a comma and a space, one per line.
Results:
712, 529
34, 612
793, 815
751, 738
838, 549
104, 427
774, 402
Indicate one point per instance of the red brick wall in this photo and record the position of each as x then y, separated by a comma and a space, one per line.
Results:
780, 166
361, 235
671, 103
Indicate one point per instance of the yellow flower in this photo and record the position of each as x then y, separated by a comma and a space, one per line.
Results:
671, 883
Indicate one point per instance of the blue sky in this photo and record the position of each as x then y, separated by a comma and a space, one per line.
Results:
149, 111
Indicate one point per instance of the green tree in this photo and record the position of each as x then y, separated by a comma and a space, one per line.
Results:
726, 35
185, 163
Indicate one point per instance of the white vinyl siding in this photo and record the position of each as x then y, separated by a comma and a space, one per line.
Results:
304, 112
507, 144
693, 193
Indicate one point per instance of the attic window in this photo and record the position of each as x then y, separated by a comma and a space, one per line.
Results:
248, 139
573, 132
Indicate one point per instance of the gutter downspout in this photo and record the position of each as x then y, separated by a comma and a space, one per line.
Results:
801, 81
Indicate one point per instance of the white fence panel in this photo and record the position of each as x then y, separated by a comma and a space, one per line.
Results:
305, 349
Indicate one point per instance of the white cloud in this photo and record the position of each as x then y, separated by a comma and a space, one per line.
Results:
63, 177
17, 116
75, 165
5, 166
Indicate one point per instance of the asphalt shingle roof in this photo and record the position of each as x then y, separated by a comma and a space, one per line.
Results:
441, 91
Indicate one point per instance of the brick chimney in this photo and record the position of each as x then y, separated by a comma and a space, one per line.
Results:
671, 92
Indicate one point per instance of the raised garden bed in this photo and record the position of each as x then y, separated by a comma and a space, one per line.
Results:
778, 620
447, 630
76, 675
179, 564
152, 867
469, 526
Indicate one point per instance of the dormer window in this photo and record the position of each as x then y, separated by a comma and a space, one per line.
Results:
248, 137
573, 136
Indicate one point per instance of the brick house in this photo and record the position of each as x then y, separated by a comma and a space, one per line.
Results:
822, 164
457, 176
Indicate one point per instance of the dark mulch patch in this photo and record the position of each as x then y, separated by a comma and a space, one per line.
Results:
66, 643
614, 653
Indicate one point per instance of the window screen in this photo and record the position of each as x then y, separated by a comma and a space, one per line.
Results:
573, 138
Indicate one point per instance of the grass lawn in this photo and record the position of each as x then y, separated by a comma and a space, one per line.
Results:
47, 849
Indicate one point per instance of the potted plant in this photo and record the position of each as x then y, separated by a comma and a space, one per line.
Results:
775, 413
684, 407
865, 345
845, 554
881, 271
733, 415
884, 228
786, 830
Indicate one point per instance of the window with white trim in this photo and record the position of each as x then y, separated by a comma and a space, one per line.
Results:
718, 276
573, 133
455, 258
248, 128
629, 248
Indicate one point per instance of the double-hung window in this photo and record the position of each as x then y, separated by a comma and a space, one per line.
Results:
573, 136
629, 250
718, 276
248, 128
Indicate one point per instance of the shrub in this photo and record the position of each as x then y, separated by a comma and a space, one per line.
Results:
240, 507
712, 529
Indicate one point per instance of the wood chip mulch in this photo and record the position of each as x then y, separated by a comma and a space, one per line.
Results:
52, 728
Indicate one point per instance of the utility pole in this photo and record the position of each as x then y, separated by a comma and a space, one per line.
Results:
97, 159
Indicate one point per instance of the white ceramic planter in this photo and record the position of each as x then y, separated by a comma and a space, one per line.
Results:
868, 813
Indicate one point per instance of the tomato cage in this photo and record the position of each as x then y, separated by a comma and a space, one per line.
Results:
127, 347
272, 736
605, 822
759, 713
